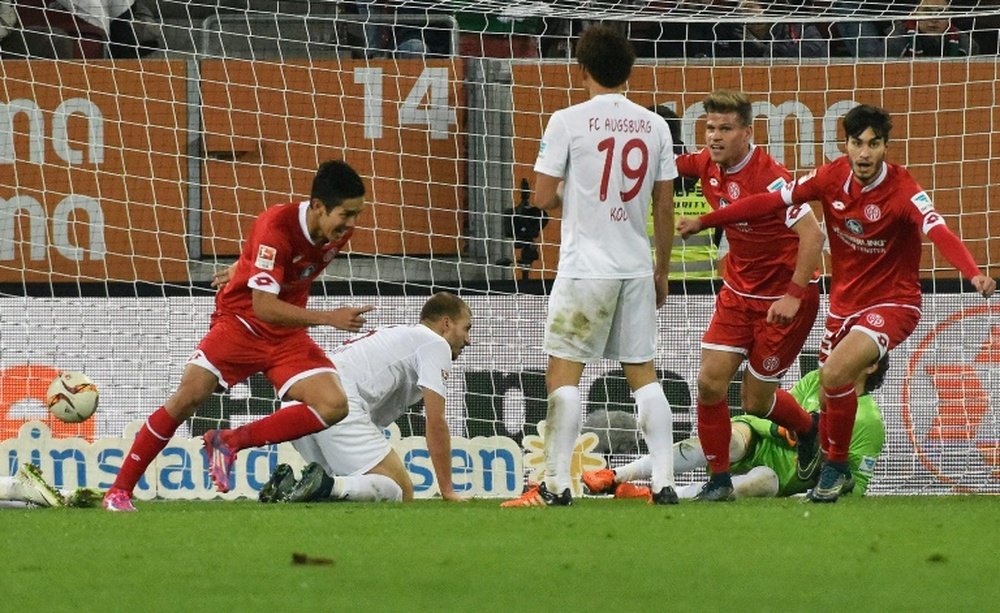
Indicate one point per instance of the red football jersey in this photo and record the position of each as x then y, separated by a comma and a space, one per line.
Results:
278, 258
874, 233
762, 253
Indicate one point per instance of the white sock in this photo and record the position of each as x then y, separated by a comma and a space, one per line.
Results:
562, 427
9, 489
640, 469
688, 455
760, 482
689, 491
366, 488
657, 422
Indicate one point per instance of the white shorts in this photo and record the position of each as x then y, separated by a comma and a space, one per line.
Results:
590, 319
352, 446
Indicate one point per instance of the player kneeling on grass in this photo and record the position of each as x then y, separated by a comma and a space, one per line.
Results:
764, 454
383, 372
28, 488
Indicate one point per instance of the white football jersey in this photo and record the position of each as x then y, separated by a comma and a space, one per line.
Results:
609, 151
386, 369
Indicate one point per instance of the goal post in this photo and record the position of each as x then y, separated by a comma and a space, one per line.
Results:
124, 184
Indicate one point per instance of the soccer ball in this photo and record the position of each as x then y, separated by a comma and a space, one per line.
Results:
72, 397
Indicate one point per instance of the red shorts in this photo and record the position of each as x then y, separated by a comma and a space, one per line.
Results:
739, 325
232, 352
887, 325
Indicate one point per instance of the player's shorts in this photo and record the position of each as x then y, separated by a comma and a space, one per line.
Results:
772, 447
887, 324
352, 446
590, 319
232, 353
739, 325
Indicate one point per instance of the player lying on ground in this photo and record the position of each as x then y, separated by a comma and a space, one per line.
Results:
383, 373
28, 488
874, 212
259, 325
764, 454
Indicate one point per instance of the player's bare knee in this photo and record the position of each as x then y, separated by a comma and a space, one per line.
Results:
711, 391
835, 375
331, 410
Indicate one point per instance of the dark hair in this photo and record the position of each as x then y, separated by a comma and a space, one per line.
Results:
673, 123
865, 116
877, 378
443, 304
725, 101
336, 182
606, 55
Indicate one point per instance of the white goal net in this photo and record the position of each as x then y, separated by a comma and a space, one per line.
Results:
126, 181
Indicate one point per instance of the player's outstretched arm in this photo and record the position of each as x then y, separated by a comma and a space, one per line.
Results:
958, 255
745, 209
439, 444
273, 310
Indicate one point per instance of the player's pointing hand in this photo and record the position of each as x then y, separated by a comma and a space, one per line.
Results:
687, 226
349, 318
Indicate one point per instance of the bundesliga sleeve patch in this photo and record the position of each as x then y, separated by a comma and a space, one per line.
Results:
923, 203
265, 257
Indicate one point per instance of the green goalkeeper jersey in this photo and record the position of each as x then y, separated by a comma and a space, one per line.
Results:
773, 447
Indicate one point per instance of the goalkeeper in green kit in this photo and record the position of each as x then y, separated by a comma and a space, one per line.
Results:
762, 453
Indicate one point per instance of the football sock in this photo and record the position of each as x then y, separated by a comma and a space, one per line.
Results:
149, 442
689, 491
787, 412
639, 469
286, 424
366, 488
715, 432
760, 482
656, 422
688, 455
562, 427
841, 409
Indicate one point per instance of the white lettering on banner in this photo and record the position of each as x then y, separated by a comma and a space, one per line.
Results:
10, 111
141, 352
776, 117
426, 104
481, 466
66, 241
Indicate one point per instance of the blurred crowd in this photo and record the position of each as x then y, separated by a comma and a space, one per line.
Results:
377, 28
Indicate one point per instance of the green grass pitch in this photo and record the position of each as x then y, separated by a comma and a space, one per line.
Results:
874, 554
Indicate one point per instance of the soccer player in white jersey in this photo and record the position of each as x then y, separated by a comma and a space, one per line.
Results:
383, 372
603, 161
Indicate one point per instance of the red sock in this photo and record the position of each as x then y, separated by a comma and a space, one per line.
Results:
148, 443
715, 433
788, 413
285, 424
841, 408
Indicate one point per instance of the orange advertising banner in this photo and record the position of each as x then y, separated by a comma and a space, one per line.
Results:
93, 171
269, 125
944, 113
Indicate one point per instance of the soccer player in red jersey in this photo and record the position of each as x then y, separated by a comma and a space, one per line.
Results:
769, 299
875, 212
259, 325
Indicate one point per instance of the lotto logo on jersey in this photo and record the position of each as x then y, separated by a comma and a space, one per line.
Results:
734, 190
873, 213
838, 205
265, 257
875, 319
